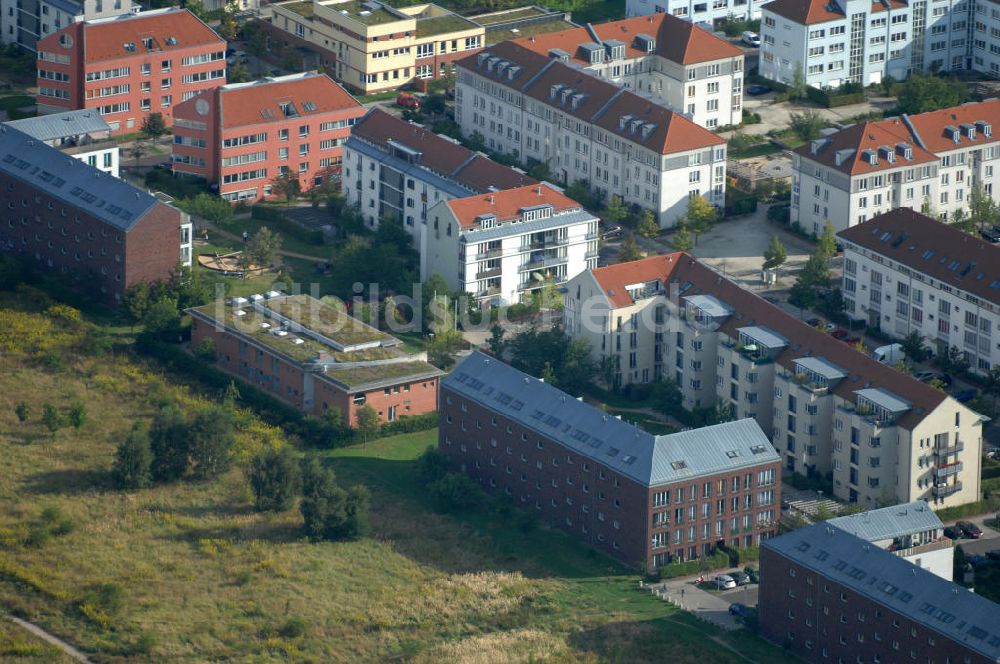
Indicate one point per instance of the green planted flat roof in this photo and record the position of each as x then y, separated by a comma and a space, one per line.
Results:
252, 325
332, 322
371, 17
377, 373
300, 8
503, 17
495, 36
440, 25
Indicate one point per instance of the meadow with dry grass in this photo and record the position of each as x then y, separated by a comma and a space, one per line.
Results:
189, 572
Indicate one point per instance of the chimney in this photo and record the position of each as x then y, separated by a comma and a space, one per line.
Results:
538, 190
490, 199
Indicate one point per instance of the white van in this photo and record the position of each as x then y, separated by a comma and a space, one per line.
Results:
890, 354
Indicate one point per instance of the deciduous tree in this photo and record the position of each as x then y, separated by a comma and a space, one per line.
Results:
133, 460
154, 126
648, 227
775, 255
275, 478
212, 433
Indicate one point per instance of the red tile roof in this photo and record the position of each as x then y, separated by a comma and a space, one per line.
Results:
613, 279
850, 144
259, 102
805, 12
106, 39
931, 126
682, 271
592, 99
676, 39
441, 155
925, 133
938, 250
506, 205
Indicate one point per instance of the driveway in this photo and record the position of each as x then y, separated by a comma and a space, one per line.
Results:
736, 248
710, 606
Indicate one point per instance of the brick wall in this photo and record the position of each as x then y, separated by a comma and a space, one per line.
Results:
820, 620
152, 246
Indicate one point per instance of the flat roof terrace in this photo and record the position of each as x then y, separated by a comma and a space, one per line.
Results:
440, 25
366, 13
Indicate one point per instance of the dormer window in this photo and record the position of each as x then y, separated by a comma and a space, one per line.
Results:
985, 128
953, 133
871, 157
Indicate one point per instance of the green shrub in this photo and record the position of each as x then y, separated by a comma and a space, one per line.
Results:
835, 98
293, 628
455, 493
717, 560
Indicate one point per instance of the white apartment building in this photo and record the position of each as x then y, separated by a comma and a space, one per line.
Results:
838, 41
827, 408
906, 272
677, 64
83, 134
698, 11
587, 129
24, 23
911, 531
930, 161
502, 246
399, 170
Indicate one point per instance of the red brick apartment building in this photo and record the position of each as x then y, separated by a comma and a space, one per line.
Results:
129, 66
242, 135
316, 357
83, 223
644, 499
831, 597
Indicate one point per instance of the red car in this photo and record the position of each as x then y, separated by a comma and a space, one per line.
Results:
840, 334
406, 100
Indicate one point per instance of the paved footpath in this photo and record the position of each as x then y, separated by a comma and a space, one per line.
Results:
54, 640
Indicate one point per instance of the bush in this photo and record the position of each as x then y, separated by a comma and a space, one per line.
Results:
431, 466
780, 213
835, 98
329, 512
275, 479
208, 207
293, 628
133, 460
455, 493
278, 222
705, 564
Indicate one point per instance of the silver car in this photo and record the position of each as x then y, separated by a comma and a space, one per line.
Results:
725, 582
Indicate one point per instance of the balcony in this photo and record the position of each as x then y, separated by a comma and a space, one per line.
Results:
941, 491
953, 449
591, 254
539, 263
492, 253
495, 272
950, 469
936, 545
545, 244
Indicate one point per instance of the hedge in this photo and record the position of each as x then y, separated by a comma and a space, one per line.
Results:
989, 505
833, 99
717, 560
277, 221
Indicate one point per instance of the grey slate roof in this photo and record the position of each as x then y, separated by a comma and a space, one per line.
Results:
111, 200
890, 522
896, 583
648, 459
62, 125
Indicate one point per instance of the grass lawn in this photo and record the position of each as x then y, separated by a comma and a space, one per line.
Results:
758, 150
18, 646
198, 576
310, 281
288, 243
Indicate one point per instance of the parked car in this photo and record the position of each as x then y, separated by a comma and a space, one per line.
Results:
408, 101
753, 572
840, 334
953, 532
813, 322
751, 38
740, 577
970, 530
928, 376
739, 610
965, 396
757, 90
991, 234
994, 554
772, 299
851, 339
612, 233
725, 582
